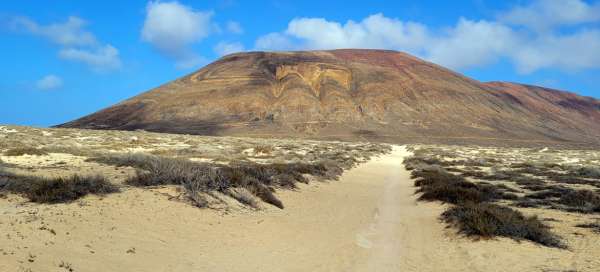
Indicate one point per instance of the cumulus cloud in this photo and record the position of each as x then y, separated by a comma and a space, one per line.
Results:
226, 48
468, 43
76, 43
49, 82
576, 51
69, 33
100, 58
375, 31
172, 28
234, 27
542, 15
471, 44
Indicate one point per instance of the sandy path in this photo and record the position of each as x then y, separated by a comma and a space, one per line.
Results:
369, 220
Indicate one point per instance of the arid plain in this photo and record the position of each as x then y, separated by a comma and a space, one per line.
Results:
240, 204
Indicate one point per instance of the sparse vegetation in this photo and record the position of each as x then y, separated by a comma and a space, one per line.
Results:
197, 178
473, 212
436, 184
489, 220
20, 151
595, 227
584, 201
265, 149
55, 190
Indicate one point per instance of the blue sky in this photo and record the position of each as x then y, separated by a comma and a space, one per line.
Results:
70, 58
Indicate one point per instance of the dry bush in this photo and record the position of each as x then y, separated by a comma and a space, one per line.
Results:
244, 196
587, 172
437, 184
583, 201
20, 151
55, 190
472, 213
488, 220
417, 162
196, 178
265, 149
595, 227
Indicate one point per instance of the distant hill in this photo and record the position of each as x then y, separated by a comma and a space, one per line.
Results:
352, 94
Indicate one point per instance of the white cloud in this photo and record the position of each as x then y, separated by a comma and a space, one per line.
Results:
576, 51
172, 28
275, 41
234, 27
464, 45
100, 58
471, 44
49, 82
375, 31
225, 48
69, 33
542, 15
77, 44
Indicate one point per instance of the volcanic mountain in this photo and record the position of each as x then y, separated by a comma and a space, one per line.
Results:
351, 94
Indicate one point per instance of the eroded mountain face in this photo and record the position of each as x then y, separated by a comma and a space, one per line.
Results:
350, 94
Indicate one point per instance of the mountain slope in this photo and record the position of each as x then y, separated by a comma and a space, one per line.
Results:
350, 94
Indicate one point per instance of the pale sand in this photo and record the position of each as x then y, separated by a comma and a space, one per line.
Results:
369, 220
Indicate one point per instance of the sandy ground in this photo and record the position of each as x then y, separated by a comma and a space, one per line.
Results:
369, 220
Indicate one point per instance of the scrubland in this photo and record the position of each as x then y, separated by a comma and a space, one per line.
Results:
547, 196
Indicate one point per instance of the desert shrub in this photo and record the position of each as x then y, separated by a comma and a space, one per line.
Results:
478, 162
474, 174
265, 149
20, 151
581, 201
198, 178
194, 191
569, 179
416, 162
55, 190
489, 220
472, 213
437, 184
138, 160
548, 192
244, 196
587, 172
153, 171
595, 227
262, 191
525, 202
